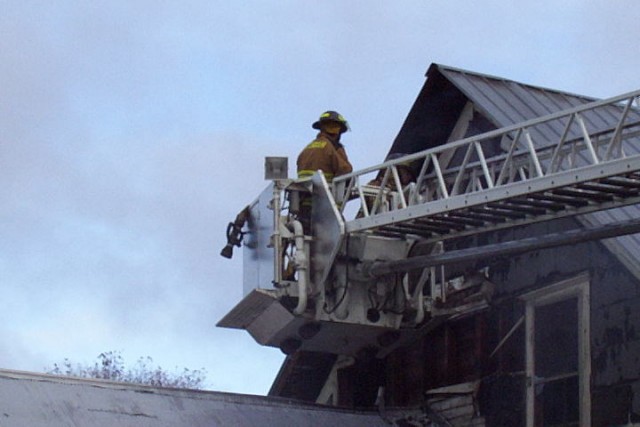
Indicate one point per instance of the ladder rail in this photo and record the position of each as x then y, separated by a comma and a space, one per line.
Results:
563, 138
480, 170
615, 138
480, 198
513, 167
460, 175
509, 158
633, 96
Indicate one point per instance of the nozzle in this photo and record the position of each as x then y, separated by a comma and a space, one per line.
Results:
227, 251
234, 233
234, 238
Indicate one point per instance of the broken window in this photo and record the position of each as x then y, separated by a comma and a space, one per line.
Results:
558, 364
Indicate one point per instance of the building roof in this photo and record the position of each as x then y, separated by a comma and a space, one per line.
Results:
38, 400
503, 102
506, 102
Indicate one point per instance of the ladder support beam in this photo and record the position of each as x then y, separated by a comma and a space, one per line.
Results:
509, 248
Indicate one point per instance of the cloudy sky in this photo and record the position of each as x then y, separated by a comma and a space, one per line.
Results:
132, 132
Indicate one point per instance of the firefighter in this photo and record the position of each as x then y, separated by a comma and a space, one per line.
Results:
326, 152
406, 174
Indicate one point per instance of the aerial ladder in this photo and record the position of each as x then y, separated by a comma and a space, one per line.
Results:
369, 269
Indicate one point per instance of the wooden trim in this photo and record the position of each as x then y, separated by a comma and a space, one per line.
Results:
577, 287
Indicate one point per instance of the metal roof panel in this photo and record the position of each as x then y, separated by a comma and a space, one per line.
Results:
38, 400
506, 102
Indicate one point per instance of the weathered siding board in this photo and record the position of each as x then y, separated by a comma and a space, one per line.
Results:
612, 266
457, 410
611, 404
405, 375
618, 285
616, 343
614, 290
615, 329
615, 316
501, 400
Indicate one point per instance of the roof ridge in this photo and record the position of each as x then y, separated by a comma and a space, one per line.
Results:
443, 69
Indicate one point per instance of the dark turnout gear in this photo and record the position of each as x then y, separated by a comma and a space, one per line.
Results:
405, 173
326, 152
323, 154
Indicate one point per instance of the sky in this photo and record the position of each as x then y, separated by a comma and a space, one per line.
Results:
132, 132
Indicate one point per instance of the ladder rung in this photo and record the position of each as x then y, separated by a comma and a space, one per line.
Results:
466, 219
569, 192
426, 228
528, 207
560, 199
445, 221
402, 230
506, 210
602, 188
492, 215
479, 216
388, 233
620, 181
423, 226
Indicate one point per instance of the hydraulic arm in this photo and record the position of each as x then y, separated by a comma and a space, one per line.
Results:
367, 264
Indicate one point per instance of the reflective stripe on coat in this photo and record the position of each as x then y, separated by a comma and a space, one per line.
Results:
322, 154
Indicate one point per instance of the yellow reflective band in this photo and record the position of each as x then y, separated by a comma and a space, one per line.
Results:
306, 173
328, 115
317, 144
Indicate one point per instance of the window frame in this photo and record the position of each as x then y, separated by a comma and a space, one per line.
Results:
577, 287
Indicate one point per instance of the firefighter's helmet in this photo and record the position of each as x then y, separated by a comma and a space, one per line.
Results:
332, 116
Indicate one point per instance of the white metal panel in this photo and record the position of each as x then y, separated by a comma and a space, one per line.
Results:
258, 254
35, 400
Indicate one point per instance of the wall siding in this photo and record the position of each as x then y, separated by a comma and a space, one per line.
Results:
615, 334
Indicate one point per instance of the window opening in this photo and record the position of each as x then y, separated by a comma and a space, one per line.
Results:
558, 361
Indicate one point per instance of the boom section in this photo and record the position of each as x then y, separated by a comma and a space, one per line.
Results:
580, 160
